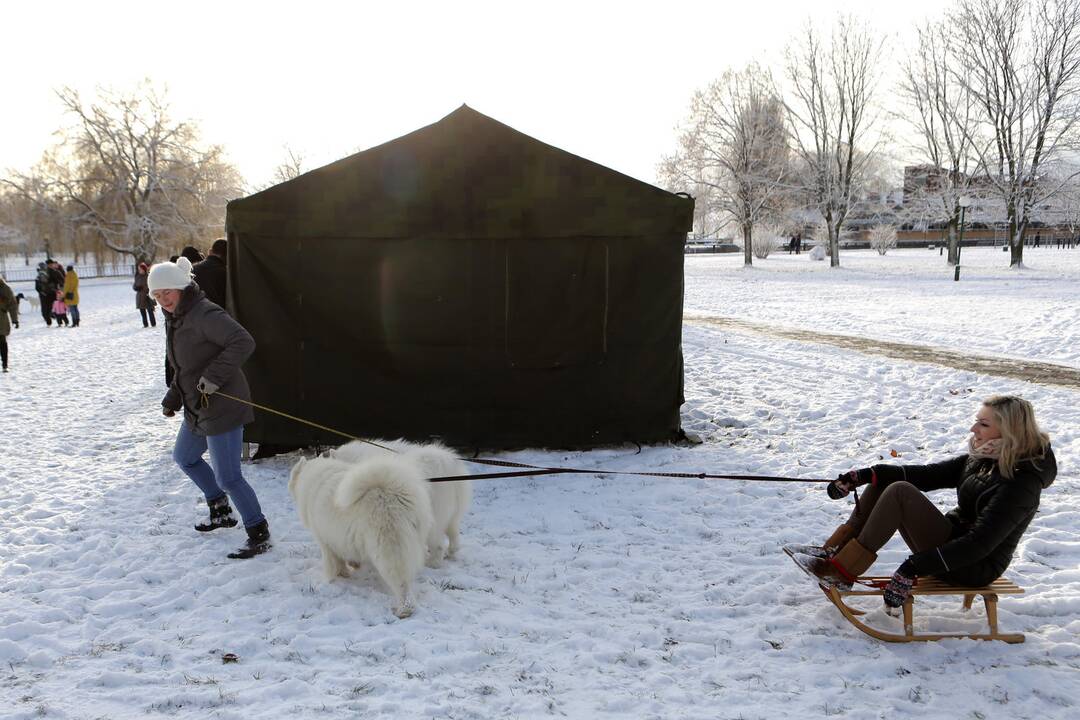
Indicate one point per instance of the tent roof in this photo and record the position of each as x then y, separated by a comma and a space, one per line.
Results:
466, 176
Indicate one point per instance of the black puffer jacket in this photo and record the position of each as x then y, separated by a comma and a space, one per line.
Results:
202, 340
210, 276
991, 515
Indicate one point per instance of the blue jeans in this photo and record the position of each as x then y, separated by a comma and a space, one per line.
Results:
225, 455
74, 310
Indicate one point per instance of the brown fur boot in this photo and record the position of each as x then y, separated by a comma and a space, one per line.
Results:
840, 570
839, 538
830, 547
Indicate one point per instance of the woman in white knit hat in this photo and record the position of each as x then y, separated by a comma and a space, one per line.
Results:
206, 347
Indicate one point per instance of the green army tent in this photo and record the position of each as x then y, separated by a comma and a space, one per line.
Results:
464, 282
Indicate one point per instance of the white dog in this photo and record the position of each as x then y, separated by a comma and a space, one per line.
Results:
449, 500
377, 511
33, 300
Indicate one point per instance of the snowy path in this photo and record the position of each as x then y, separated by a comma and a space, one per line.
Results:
1026, 370
574, 596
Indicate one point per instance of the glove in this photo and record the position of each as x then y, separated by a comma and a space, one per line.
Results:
846, 482
206, 387
167, 412
898, 590
16, 324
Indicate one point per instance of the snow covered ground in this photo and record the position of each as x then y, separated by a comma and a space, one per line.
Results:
906, 296
573, 596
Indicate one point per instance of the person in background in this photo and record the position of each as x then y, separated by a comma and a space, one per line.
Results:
210, 273
59, 309
192, 254
998, 483
71, 294
143, 301
56, 273
46, 292
206, 348
9, 318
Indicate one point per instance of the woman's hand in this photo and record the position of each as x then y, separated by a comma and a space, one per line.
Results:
846, 482
898, 590
205, 386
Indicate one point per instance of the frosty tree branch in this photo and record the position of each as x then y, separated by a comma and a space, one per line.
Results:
830, 114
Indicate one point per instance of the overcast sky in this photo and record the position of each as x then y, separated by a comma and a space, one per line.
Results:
605, 80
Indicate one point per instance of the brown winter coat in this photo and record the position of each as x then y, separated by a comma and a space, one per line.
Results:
9, 308
143, 301
202, 340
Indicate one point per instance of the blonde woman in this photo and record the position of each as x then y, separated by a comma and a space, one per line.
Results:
998, 483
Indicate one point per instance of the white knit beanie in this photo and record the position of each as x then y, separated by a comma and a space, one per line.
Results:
170, 276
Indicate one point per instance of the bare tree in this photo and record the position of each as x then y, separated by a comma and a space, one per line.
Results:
1066, 203
135, 177
736, 145
1021, 62
33, 205
292, 166
831, 114
934, 86
684, 173
12, 241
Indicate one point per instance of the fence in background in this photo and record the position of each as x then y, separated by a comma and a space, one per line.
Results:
28, 274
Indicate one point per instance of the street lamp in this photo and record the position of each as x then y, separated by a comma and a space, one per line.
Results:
963, 202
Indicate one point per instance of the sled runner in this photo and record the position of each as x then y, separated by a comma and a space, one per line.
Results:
928, 586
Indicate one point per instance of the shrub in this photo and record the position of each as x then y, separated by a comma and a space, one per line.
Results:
883, 237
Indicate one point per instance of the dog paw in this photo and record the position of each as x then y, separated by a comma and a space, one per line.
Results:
404, 611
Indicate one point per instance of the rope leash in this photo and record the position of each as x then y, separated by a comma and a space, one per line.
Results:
526, 470
204, 401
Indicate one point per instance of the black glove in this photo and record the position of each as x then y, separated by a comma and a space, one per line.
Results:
16, 324
167, 412
898, 590
846, 482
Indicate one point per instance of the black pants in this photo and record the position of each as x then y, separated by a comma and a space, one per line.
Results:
145, 313
46, 307
3, 350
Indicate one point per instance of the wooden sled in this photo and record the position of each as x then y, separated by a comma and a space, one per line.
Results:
928, 586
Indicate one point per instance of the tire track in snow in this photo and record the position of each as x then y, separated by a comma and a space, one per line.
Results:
1015, 368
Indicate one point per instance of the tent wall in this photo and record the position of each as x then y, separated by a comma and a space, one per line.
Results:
485, 342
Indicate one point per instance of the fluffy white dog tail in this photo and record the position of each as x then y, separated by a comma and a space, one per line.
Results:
390, 499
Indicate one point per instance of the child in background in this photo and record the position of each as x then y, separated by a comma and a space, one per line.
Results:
59, 309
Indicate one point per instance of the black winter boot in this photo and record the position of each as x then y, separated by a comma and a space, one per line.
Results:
221, 515
258, 542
